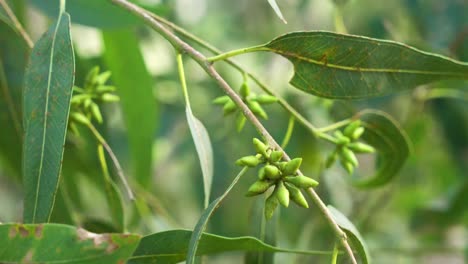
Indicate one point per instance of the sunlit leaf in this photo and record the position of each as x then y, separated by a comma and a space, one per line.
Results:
342, 66
135, 87
204, 150
14, 52
46, 104
171, 247
56, 243
391, 143
277, 10
352, 234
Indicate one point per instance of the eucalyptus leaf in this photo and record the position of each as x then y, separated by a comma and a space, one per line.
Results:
390, 141
204, 150
57, 243
352, 233
343, 66
46, 105
171, 247
277, 10
134, 85
14, 53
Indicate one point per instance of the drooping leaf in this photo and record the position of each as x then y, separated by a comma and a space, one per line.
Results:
46, 104
95, 13
390, 141
134, 85
193, 245
171, 247
14, 53
57, 243
277, 10
204, 150
342, 66
352, 233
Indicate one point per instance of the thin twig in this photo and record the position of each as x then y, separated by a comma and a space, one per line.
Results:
182, 46
17, 24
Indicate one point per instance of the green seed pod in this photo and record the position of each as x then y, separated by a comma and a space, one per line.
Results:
347, 166
260, 147
349, 130
272, 172
79, 98
229, 107
258, 187
292, 166
240, 122
91, 76
257, 109
270, 205
281, 165
359, 147
87, 103
358, 133
296, 195
221, 100
250, 161
301, 181
244, 90
341, 139
80, 118
261, 174
102, 78
266, 99
105, 89
276, 155
282, 194
349, 156
331, 159
96, 112
107, 97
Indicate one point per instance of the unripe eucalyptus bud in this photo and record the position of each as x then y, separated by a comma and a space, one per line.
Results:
258, 187
272, 172
296, 195
266, 99
331, 159
105, 89
282, 194
349, 156
347, 166
358, 133
221, 100
79, 98
250, 161
341, 139
261, 174
301, 181
96, 112
276, 155
260, 147
229, 107
257, 109
292, 166
244, 90
359, 147
91, 76
80, 118
107, 97
349, 130
270, 205
240, 122
102, 78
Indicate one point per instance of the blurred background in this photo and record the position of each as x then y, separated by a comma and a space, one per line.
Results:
420, 217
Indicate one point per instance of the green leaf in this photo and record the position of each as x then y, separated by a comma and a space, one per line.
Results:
352, 233
341, 66
390, 141
135, 87
56, 243
14, 52
95, 13
204, 150
171, 247
46, 104
277, 10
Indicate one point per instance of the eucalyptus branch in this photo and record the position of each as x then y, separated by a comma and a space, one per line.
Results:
182, 46
17, 24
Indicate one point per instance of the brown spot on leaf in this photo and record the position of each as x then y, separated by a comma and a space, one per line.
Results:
38, 231
28, 258
23, 231
12, 232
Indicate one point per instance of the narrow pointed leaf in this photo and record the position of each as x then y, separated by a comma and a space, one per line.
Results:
390, 141
341, 66
352, 233
204, 150
46, 104
134, 85
57, 243
277, 10
14, 53
171, 247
